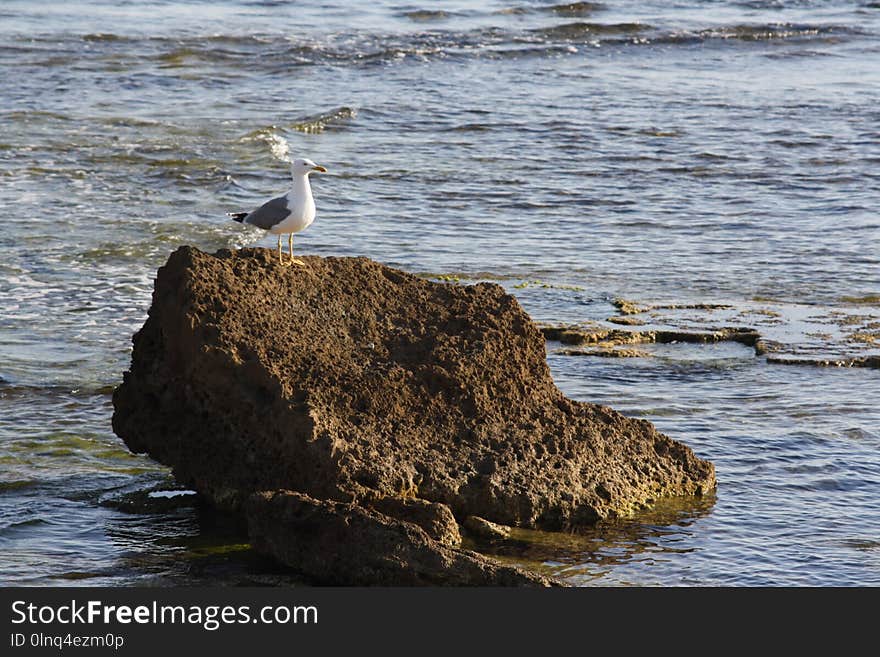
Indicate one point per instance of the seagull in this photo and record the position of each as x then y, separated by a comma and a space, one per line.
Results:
291, 213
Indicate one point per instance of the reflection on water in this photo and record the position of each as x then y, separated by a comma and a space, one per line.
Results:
597, 555
192, 545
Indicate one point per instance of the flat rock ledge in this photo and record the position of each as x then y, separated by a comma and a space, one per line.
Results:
356, 414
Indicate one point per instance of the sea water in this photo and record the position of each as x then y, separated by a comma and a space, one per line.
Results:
713, 162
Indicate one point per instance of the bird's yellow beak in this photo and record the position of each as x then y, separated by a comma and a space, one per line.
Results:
319, 169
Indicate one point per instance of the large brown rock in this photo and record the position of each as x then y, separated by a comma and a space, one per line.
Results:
349, 380
352, 382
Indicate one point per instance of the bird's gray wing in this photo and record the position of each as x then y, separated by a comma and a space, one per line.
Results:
269, 214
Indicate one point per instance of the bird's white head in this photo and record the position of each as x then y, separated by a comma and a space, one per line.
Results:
304, 166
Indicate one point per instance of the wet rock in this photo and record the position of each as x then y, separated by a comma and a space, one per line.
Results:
435, 518
608, 337
607, 344
764, 347
482, 528
605, 353
865, 336
868, 300
626, 320
872, 362
627, 307
576, 335
691, 306
346, 544
352, 382
574, 9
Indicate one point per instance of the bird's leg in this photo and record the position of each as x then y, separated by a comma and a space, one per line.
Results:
293, 261
280, 261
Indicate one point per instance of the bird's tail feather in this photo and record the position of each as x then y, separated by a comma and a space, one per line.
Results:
238, 216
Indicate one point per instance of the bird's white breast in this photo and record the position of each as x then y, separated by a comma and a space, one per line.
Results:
302, 209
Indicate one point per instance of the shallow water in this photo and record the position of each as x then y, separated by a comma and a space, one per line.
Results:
708, 152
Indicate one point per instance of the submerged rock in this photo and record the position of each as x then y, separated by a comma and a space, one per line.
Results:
612, 352
872, 361
610, 337
485, 529
627, 307
347, 544
352, 382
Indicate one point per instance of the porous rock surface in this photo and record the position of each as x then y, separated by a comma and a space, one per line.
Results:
347, 544
349, 381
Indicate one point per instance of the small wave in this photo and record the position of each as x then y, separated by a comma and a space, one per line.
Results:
273, 135
76, 575
719, 157
270, 135
31, 115
220, 50
799, 54
317, 123
765, 32
776, 5
565, 9
131, 122
23, 391
30, 522
580, 29
187, 55
549, 51
469, 127
426, 15
865, 300
861, 543
574, 9
101, 36
178, 57
16, 484
269, 52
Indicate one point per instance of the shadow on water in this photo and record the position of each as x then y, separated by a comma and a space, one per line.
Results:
178, 539
584, 556
182, 541
149, 533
